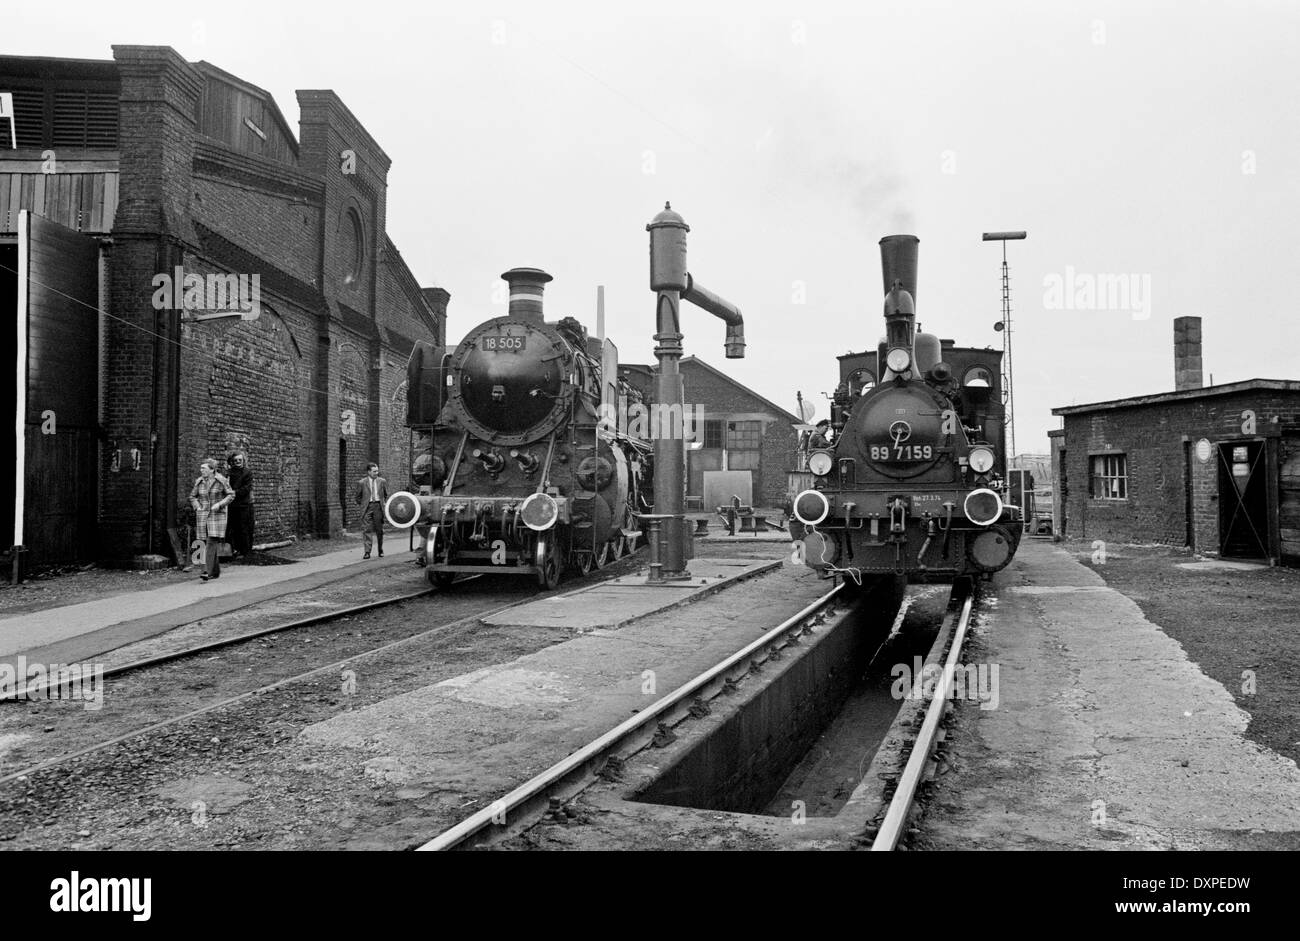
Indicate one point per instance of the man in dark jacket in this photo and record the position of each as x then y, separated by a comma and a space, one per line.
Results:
372, 494
241, 511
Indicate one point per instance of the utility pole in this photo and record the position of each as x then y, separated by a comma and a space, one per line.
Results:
1004, 326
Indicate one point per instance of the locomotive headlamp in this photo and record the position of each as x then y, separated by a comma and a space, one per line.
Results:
820, 463
403, 510
539, 512
811, 507
983, 506
981, 460
898, 359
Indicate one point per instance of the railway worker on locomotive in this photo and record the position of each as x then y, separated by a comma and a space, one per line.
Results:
910, 489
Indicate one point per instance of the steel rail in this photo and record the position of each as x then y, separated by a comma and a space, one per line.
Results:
230, 701
55, 682
499, 810
891, 828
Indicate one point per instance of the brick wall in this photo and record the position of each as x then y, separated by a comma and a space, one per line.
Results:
247, 385
276, 386
1154, 439
281, 228
722, 397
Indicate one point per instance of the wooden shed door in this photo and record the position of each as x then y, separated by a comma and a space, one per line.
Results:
1243, 500
56, 328
1289, 498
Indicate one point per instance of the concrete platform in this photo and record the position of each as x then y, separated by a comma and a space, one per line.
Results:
1106, 735
1222, 565
483, 732
620, 600
76, 632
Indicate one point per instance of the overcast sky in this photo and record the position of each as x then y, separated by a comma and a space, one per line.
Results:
1153, 141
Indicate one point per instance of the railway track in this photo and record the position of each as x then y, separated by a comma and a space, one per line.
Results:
565, 779
261, 690
36, 689
527, 804
955, 623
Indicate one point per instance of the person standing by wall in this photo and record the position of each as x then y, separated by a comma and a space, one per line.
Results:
210, 497
241, 511
371, 494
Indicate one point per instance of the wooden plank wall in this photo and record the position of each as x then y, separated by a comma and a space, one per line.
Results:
82, 200
222, 110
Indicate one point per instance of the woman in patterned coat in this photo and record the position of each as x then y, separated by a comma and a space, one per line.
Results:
210, 497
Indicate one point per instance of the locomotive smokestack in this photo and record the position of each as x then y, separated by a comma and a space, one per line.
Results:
898, 258
526, 287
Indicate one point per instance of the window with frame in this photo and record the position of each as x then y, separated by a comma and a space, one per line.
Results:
1109, 478
744, 435
713, 433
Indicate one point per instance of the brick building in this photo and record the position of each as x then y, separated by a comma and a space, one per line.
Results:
1214, 468
743, 433
138, 184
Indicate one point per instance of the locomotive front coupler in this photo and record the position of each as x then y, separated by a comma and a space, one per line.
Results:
482, 513
931, 530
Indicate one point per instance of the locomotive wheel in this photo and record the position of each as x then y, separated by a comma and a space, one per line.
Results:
620, 548
439, 579
548, 562
583, 563
602, 556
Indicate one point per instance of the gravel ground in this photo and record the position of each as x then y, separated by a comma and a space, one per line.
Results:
1229, 622
239, 776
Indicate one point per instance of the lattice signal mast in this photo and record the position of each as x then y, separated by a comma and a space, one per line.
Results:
1004, 325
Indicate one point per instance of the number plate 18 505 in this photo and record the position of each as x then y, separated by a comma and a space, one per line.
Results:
502, 344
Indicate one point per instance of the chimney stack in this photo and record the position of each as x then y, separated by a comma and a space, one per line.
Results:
1187, 353
526, 287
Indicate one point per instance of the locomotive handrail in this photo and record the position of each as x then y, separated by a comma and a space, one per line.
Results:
455, 464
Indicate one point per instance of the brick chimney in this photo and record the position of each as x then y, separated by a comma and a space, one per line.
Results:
1187, 353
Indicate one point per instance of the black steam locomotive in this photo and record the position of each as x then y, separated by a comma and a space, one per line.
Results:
912, 486
518, 465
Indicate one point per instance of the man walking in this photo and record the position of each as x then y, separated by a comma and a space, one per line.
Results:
372, 493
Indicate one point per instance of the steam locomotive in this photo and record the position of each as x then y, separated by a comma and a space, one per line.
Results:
516, 464
912, 486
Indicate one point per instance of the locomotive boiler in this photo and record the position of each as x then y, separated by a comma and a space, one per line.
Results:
517, 464
912, 485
